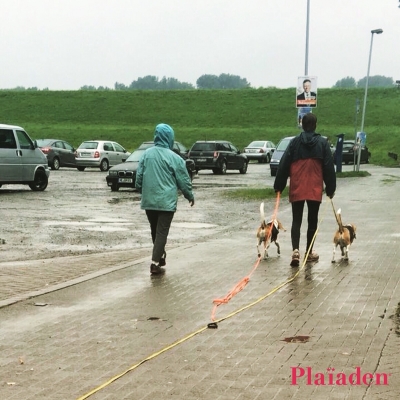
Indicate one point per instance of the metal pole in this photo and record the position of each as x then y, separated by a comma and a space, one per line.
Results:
355, 128
307, 36
365, 93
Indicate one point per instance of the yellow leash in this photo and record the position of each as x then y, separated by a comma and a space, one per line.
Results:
184, 339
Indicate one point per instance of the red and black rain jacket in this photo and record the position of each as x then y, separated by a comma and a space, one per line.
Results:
309, 163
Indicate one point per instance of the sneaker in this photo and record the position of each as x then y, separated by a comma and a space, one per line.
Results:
156, 269
162, 262
295, 258
312, 257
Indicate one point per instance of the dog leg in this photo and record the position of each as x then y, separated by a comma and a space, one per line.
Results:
258, 248
266, 251
334, 251
346, 254
278, 247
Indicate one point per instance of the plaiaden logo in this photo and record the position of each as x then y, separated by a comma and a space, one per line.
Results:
331, 378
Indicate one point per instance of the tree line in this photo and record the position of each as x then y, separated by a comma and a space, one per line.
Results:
222, 81
373, 81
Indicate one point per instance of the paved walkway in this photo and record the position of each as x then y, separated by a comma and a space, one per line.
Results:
72, 338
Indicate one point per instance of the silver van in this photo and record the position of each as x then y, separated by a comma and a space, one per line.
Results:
21, 161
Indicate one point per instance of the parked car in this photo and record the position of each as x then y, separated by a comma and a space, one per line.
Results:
278, 153
124, 174
280, 149
260, 150
59, 153
219, 156
178, 148
102, 154
350, 153
21, 161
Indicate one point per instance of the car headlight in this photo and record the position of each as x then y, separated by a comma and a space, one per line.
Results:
112, 173
273, 160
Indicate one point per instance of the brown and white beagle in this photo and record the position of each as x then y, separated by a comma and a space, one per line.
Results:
268, 233
343, 237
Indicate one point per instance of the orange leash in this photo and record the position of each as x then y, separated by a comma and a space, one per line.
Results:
243, 282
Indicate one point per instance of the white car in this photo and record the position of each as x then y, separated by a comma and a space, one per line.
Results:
102, 154
260, 150
21, 161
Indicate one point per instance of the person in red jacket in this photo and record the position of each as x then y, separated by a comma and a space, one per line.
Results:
309, 163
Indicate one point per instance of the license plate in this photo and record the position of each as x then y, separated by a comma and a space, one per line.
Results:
201, 160
86, 154
125, 180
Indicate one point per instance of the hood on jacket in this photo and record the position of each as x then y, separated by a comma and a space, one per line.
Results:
164, 136
309, 138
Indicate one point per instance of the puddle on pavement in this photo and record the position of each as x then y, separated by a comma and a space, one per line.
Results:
192, 225
296, 339
107, 228
95, 224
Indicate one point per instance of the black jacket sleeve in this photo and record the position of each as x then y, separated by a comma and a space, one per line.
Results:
283, 172
329, 174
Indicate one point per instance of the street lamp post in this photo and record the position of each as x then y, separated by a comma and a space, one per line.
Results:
377, 31
307, 38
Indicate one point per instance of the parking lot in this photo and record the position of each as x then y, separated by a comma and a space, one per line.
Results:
88, 310
78, 214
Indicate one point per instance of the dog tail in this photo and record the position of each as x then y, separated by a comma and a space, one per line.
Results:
339, 220
262, 214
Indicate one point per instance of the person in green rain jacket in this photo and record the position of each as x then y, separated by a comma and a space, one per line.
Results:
160, 174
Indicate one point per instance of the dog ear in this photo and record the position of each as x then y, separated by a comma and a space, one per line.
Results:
280, 226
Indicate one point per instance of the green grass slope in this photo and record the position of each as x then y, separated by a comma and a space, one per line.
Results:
129, 117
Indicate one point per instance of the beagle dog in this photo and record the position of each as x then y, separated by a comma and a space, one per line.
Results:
343, 237
268, 233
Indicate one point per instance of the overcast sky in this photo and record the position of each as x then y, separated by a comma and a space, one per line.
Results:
66, 44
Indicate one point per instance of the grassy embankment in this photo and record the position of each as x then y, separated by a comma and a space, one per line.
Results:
237, 115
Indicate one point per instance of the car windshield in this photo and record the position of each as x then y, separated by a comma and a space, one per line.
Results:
135, 156
283, 144
43, 142
88, 145
145, 145
256, 144
203, 147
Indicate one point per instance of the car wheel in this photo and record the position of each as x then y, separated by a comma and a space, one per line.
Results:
104, 165
222, 170
244, 169
114, 187
273, 172
268, 159
56, 164
40, 182
80, 168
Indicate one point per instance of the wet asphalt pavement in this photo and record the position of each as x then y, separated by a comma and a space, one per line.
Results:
98, 326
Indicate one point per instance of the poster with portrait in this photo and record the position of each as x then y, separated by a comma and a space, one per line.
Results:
306, 91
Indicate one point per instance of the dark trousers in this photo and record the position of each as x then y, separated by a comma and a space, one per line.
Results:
297, 213
160, 222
